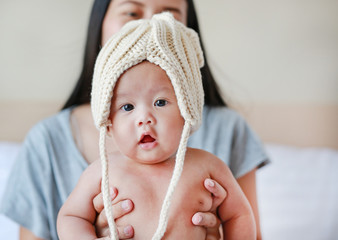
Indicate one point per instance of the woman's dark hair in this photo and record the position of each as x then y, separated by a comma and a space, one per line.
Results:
81, 92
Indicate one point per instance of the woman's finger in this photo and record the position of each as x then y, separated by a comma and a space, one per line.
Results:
205, 219
119, 209
210, 222
213, 234
98, 200
218, 192
101, 223
125, 232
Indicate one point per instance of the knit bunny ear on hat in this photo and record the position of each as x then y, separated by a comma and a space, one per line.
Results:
176, 49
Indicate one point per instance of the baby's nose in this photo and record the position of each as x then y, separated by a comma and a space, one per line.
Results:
148, 119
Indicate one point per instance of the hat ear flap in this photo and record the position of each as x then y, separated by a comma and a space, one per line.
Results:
196, 44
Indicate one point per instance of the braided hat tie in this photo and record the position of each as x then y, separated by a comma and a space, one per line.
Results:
176, 49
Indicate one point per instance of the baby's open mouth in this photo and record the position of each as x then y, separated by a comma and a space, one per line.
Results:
147, 139
147, 142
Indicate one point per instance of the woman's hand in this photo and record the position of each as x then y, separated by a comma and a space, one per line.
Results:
119, 209
209, 220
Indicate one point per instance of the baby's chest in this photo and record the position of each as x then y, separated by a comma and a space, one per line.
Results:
150, 191
148, 194
190, 195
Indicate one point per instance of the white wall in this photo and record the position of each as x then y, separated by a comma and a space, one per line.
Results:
41, 48
274, 51
276, 62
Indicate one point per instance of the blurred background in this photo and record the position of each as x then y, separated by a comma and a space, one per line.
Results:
275, 61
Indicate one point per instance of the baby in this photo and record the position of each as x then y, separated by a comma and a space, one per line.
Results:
148, 97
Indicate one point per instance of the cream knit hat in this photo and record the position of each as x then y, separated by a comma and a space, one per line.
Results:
176, 49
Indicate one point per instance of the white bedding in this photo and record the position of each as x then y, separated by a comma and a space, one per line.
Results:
8, 152
297, 193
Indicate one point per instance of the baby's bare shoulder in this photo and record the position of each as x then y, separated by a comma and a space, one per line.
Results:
96, 165
201, 155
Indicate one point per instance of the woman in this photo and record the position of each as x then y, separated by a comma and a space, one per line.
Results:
58, 149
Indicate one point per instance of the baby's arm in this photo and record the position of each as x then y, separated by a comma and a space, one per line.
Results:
77, 216
235, 212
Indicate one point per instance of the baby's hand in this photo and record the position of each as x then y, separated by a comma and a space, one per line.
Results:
119, 209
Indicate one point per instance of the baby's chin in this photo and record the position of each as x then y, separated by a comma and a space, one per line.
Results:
154, 159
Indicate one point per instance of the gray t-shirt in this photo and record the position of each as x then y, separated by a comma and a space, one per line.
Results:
49, 164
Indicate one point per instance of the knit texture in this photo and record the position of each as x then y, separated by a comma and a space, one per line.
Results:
176, 49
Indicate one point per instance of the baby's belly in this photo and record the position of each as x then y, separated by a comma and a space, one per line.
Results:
186, 202
145, 218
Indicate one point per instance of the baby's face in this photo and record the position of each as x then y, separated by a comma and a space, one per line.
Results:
146, 120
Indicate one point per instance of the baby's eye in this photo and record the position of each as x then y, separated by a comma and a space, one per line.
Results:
132, 14
161, 103
127, 107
